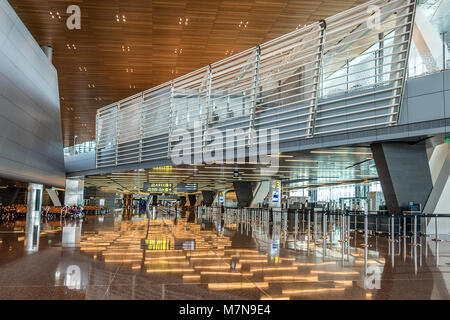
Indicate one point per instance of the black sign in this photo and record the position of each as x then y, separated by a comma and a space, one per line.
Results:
187, 187
158, 187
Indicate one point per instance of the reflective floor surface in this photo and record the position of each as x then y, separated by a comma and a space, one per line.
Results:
213, 257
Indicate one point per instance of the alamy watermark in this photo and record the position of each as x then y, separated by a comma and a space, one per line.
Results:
374, 19
231, 146
74, 20
372, 279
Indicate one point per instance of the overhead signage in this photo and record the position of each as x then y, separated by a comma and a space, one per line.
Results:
158, 187
187, 187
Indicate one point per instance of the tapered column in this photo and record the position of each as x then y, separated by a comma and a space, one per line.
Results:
244, 193
192, 199
208, 197
404, 173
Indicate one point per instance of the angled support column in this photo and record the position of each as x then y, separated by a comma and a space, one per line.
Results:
244, 193
262, 190
404, 173
439, 200
208, 197
192, 199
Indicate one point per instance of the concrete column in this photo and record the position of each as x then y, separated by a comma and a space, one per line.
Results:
404, 173
33, 220
182, 201
261, 192
208, 197
74, 191
244, 193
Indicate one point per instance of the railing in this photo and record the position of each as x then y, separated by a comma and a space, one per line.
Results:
343, 73
84, 147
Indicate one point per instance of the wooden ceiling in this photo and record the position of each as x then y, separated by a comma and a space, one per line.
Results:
152, 31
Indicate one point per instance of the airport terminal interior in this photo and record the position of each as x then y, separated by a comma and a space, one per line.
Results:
225, 150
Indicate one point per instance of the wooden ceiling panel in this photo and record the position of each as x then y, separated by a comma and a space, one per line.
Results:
152, 32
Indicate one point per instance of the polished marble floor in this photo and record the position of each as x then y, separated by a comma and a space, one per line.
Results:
213, 257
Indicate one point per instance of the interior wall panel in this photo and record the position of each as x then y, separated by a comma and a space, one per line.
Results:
31, 148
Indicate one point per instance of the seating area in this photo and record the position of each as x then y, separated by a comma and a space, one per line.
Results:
13, 212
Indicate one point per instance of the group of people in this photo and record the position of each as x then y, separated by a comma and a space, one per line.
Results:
71, 212
9, 213
52, 213
12, 212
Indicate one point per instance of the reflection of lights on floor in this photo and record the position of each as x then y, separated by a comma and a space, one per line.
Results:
345, 283
222, 273
179, 270
307, 264
275, 298
178, 263
241, 250
291, 278
250, 261
368, 295
370, 261
249, 256
193, 277
335, 272
204, 254
287, 259
20, 238
216, 267
84, 243
311, 291
93, 249
209, 258
238, 285
165, 258
106, 254
122, 260
259, 269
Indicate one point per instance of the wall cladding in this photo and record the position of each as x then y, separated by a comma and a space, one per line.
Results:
31, 148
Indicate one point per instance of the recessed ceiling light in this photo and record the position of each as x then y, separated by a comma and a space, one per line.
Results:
123, 18
243, 24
